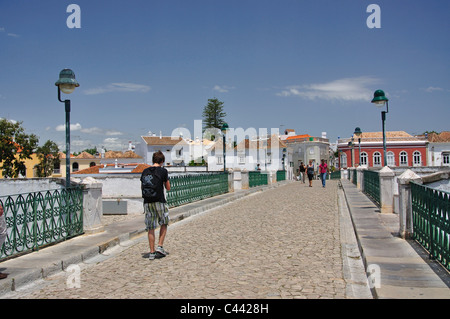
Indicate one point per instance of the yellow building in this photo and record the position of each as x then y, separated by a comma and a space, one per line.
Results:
82, 161
77, 163
30, 167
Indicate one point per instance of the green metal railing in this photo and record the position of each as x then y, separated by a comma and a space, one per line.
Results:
189, 188
281, 176
372, 185
257, 178
37, 219
431, 221
335, 175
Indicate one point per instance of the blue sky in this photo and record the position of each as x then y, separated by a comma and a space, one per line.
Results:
150, 65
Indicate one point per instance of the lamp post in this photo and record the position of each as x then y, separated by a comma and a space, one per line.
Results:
224, 132
358, 133
380, 99
67, 84
351, 146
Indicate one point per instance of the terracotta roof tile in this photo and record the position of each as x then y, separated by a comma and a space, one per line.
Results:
85, 155
439, 138
90, 170
164, 140
140, 168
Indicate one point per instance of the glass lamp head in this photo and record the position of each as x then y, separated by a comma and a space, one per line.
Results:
379, 98
67, 82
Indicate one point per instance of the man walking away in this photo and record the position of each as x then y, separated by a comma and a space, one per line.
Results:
153, 181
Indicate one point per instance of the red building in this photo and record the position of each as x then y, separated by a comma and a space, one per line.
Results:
402, 150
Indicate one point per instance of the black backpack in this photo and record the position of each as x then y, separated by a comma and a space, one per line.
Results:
151, 183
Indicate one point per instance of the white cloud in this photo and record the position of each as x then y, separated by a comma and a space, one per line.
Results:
223, 88
91, 130
432, 89
118, 87
113, 143
9, 120
73, 127
346, 89
9, 34
112, 133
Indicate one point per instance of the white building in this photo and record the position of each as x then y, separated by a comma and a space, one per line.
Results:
306, 147
267, 153
173, 149
439, 149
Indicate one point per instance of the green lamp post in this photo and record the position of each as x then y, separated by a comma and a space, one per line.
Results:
380, 99
224, 132
67, 84
358, 133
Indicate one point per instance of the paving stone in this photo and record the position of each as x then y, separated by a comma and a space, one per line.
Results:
283, 242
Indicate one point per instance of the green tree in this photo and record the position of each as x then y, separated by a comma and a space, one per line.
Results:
15, 147
48, 155
213, 114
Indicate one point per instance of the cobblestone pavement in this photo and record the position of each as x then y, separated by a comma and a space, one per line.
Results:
280, 243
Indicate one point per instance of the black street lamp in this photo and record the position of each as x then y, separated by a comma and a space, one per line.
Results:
224, 132
67, 84
358, 133
380, 99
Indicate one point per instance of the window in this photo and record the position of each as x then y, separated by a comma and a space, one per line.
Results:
57, 168
91, 164
343, 160
376, 159
220, 160
446, 158
75, 167
403, 158
390, 158
363, 159
241, 159
417, 158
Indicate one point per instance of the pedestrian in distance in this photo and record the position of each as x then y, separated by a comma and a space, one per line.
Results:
3, 234
323, 169
153, 181
302, 172
310, 172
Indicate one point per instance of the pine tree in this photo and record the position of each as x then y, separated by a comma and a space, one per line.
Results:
213, 114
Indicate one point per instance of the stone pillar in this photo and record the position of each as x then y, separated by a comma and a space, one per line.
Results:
386, 190
272, 177
360, 178
405, 204
237, 179
92, 206
245, 182
343, 173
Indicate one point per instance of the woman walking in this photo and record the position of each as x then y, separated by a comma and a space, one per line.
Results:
310, 172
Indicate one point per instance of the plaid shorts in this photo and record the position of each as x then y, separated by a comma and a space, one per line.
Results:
156, 214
